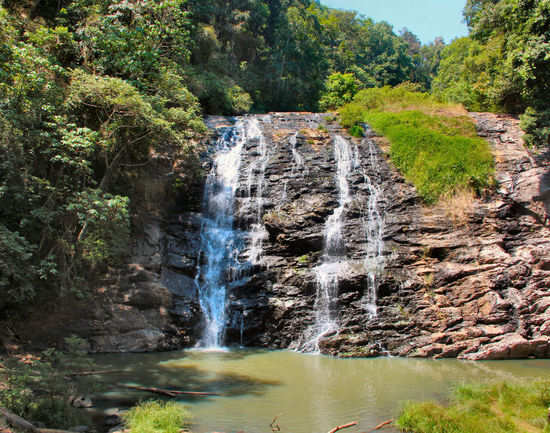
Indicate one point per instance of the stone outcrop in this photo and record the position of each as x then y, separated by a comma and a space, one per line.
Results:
478, 286
468, 278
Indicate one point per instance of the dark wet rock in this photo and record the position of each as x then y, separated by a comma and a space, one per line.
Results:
451, 288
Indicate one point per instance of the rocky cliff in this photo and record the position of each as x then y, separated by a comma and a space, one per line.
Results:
467, 278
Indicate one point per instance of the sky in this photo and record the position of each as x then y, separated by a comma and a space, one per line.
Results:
427, 19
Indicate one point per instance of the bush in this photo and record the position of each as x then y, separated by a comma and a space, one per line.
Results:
339, 90
36, 387
356, 131
156, 417
536, 125
433, 153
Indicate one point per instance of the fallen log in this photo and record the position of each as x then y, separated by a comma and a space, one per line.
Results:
17, 422
382, 424
52, 430
341, 427
167, 392
22, 424
275, 427
93, 373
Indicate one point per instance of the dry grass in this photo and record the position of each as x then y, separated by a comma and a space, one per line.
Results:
447, 110
458, 206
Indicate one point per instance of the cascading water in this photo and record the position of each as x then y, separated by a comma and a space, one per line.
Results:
373, 223
256, 177
220, 242
298, 166
333, 265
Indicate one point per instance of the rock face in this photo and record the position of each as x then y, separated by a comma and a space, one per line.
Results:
468, 278
478, 280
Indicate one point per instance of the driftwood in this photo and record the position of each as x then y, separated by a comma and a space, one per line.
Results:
341, 427
382, 424
274, 426
93, 373
167, 392
51, 430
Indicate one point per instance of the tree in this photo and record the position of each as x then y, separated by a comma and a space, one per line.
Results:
339, 90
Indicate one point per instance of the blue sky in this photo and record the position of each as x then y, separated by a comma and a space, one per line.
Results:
425, 18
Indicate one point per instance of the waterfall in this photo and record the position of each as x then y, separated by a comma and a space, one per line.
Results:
220, 243
256, 177
333, 266
298, 167
297, 158
373, 223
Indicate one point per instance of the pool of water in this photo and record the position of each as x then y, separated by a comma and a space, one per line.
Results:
308, 393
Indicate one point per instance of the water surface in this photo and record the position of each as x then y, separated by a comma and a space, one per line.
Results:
308, 393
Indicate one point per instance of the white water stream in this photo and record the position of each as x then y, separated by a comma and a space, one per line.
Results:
220, 242
256, 177
373, 223
334, 265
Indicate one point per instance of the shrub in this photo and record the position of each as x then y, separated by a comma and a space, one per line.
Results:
339, 90
536, 125
156, 417
356, 131
36, 387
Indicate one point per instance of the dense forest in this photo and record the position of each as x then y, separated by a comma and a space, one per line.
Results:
89, 88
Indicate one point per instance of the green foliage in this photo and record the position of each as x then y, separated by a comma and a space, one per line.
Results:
356, 131
438, 153
504, 64
128, 39
536, 125
36, 387
105, 220
400, 97
500, 408
15, 267
73, 142
339, 90
156, 417
467, 75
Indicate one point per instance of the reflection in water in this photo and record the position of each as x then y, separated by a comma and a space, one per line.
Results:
309, 393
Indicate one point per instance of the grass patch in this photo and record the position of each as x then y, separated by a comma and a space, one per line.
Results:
434, 145
156, 417
499, 408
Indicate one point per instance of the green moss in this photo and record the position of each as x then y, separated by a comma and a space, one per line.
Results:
303, 259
